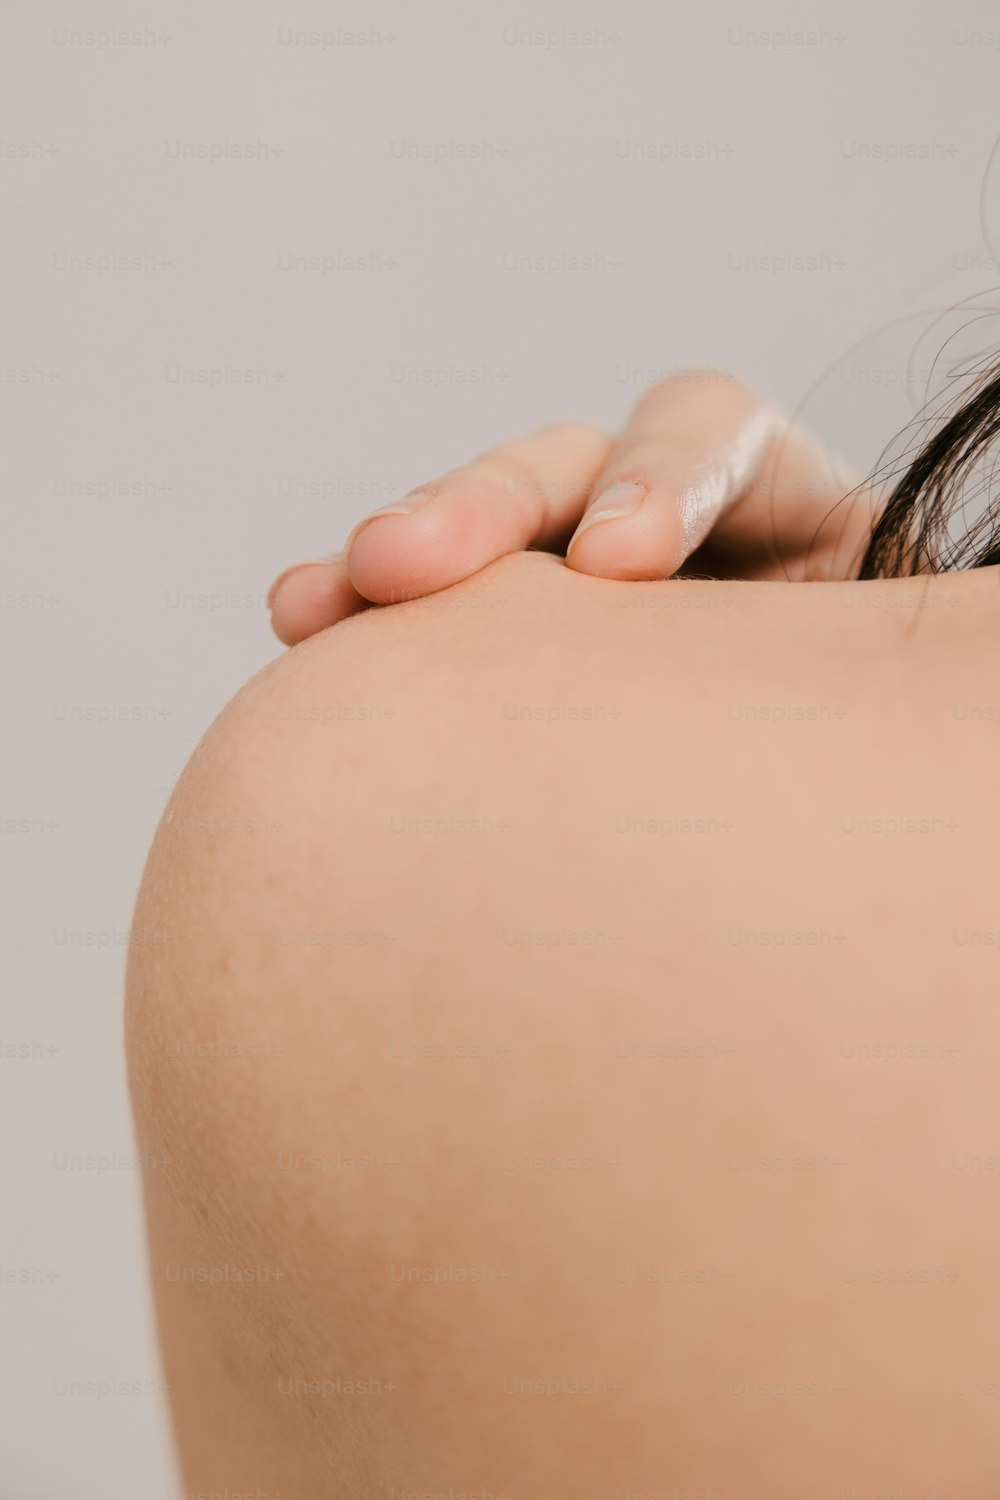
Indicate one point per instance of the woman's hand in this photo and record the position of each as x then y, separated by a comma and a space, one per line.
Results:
706, 477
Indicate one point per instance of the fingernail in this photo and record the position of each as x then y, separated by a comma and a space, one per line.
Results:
397, 508
618, 500
309, 562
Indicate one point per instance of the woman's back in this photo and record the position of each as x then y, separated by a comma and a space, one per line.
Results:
569, 1049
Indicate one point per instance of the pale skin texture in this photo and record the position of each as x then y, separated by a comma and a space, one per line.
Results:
298, 828
707, 477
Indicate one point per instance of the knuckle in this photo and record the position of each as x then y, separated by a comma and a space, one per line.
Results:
657, 459
571, 432
500, 478
509, 468
487, 472
700, 383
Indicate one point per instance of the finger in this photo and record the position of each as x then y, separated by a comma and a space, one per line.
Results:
702, 454
803, 516
311, 596
525, 494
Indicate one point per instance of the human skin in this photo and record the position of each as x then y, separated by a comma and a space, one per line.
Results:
772, 1257
706, 476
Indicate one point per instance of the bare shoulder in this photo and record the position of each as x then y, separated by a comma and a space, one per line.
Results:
421, 772
511, 940
342, 803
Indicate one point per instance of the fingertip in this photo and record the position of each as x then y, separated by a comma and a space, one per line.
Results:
395, 557
404, 507
641, 545
309, 597
377, 555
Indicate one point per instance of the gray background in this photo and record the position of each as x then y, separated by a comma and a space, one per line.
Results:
783, 191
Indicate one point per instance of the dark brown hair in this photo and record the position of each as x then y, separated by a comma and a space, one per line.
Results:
943, 513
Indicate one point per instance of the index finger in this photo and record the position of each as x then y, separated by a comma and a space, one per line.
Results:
523, 494
704, 456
